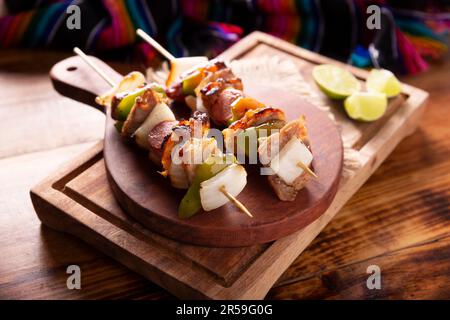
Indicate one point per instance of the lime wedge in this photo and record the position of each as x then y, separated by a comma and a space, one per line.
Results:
366, 106
383, 81
335, 82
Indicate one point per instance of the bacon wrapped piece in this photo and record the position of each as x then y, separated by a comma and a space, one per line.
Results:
212, 88
143, 106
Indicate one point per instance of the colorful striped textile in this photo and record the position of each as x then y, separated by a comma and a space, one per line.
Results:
336, 28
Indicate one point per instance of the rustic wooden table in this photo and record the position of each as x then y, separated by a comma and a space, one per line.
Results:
399, 220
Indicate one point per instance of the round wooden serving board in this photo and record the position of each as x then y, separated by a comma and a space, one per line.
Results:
149, 198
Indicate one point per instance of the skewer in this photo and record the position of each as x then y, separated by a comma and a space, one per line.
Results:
170, 57
236, 202
85, 58
307, 169
155, 44
100, 72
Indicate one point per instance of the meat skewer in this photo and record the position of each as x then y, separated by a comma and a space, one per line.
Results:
283, 147
287, 153
142, 113
203, 85
249, 115
214, 88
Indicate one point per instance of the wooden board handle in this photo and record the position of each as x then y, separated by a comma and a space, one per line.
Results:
75, 79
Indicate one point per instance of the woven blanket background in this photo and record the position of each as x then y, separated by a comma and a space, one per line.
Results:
335, 28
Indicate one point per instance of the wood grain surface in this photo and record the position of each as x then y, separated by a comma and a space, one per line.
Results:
398, 220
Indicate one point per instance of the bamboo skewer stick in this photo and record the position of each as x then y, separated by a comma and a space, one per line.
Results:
155, 44
100, 72
236, 202
307, 169
85, 58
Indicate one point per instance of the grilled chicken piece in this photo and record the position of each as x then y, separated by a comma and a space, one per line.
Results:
225, 77
199, 124
295, 128
270, 147
252, 118
175, 168
141, 109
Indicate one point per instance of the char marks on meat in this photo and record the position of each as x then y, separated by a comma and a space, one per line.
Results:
218, 102
182, 131
252, 118
255, 117
158, 137
218, 89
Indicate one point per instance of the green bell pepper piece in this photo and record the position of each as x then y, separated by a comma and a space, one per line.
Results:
127, 102
156, 87
191, 82
191, 203
270, 127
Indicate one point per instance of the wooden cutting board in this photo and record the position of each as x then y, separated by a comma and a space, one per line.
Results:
151, 200
78, 200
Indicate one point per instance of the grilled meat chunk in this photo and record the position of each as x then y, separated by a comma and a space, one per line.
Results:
195, 152
255, 117
252, 118
139, 112
158, 137
218, 102
287, 192
188, 146
196, 126
218, 88
270, 147
175, 91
